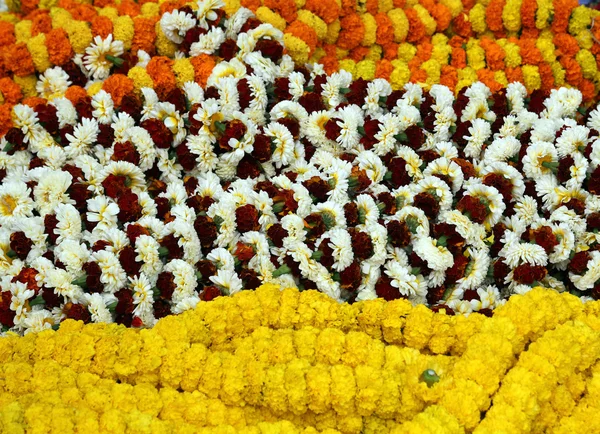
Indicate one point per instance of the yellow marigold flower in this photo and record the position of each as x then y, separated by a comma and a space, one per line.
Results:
341, 53
231, 6
581, 19
547, 48
164, 46
27, 84
433, 69
318, 382
333, 31
348, 65
500, 77
80, 35
266, 15
543, 13
427, 20
140, 78
511, 15
123, 30
300, 4
441, 50
39, 52
60, 18
406, 52
475, 55
370, 29
588, 64
455, 6
400, 23
417, 329
585, 39
466, 77
183, 70
149, 9
513, 58
385, 6
400, 75
47, 4
109, 12
477, 18
23, 30
314, 22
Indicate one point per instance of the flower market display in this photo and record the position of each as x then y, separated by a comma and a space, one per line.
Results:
433, 215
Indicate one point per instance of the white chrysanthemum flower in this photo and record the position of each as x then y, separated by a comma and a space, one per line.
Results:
526, 209
51, 190
413, 161
502, 149
103, 210
187, 303
415, 218
446, 168
572, 141
53, 83
341, 244
437, 257
113, 276
476, 270
84, 135
233, 68
176, 24
376, 89
95, 59
479, 131
284, 144
372, 165
208, 42
37, 321
313, 128
492, 199
104, 107
25, 118
206, 11
142, 295
507, 171
436, 188
516, 252
408, 284
389, 128
96, 305
228, 281
588, 279
72, 254
15, 201
65, 111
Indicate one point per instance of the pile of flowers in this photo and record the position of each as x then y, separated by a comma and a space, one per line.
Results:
128, 203
272, 361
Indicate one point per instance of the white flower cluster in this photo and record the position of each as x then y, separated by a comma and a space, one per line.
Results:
288, 175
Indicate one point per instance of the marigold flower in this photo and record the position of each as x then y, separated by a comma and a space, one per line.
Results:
352, 32
144, 35
416, 27
327, 10
305, 33
59, 46
203, 66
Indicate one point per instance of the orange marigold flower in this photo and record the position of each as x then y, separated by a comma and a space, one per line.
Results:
7, 33
102, 26
442, 15
11, 91
75, 94
457, 41
562, 14
5, 118
130, 8
390, 50
21, 62
58, 46
159, 69
530, 53
170, 6
514, 74
528, 10
494, 54
588, 90
449, 77
493, 15
330, 63
372, 6
462, 25
424, 51
34, 101
286, 8
144, 35
573, 70
416, 28
385, 29
102, 3
28, 6
468, 4
418, 76
327, 10
486, 76
304, 32
459, 58
118, 85
384, 69
203, 66
565, 44
399, 3
530, 33
40, 22
358, 54
353, 32
547, 76
253, 5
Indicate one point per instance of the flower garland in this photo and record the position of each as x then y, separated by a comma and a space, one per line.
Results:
302, 376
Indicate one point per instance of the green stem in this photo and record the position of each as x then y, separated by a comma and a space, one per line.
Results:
9, 147
11, 254
114, 60
284, 269
38, 300
317, 255
430, 377
163, 251
80, 281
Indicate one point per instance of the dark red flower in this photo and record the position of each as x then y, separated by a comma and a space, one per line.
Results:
544, 237
210, 293
200, 203
576, 205
385, 290
270, 48
262, 148
115, 186
351, 277
500, 183
163, 207
246, 218
282, 89
77, 312
20, 244
498, 231
371, 128
125, 151
245, 93
92, 280
501, 271
393, 98
462, 130
185, 157
7, 315
51, 298
250, 279
351, 213
292, 125
234, 130
171, 244
166, 285
161, 309
134, 231
228, 49
50, 223
78, 191
191, 36
428, 203
248, 168
16, 138
317, 187
127, 258
434, 295
594, 182
398, 233
129, 207
124, 302
75, 73
27, 276
287, 198
536, 101
415, 137
358, 92
579, 261
400, 175
315, 225
100, 245
467, 168
276, 234
84, 107
332, 129
362, 245
312, 102
131, 105
161, 135
593, 221
47, 116
472, 207
207, 269
176, 96
457, 271
527, 274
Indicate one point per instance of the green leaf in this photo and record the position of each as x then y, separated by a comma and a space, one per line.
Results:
114, 60
284, 269
430, 377
163, 251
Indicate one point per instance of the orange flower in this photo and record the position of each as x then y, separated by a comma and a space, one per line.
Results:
442, 15
565, 44
286, 8
562, 13
21, 62
304, 32
384, 69
144, 35
493, 15
514, 74
83, 12
40, 22
385, 29
5, 118
102, 26
358, 53
449, 77
588, 89
34, 101
459, 58
462, 25
159, 69
253, 5
203, 66
494, 54
418, 76
468, 4
353, 32
486, 76
102, 3
7, 33
75, 94
547, 76
58, 46
530, 33
170, 6
372, 7
572, 69
327, 10
416, 28
28, 6
330, 62
390, 51
11, 91
399, 4
530, 53
528, 10
118, 85
128, 7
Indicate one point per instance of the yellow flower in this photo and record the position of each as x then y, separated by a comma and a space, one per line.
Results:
123, 30
588, 64
23, 30
543, 14
39, 52
511, 15
400, 23
314, 22
370, 29
266, 15
477, 18
427, 20
184, 71
365, 69
348, 65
